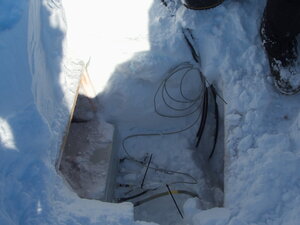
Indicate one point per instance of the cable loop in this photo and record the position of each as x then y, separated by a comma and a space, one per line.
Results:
192, 107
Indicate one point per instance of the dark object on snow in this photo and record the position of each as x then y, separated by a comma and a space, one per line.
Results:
189, 38
201, 4
279, 28
145, 174
170, 192
204, 116
206, 98
162, 194
214, 93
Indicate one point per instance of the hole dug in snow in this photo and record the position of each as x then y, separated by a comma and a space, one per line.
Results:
158, 171
85, 156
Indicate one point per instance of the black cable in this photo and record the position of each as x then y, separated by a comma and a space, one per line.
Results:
135, 196
178, 108
170, 192
203, 118
162, 194
146, 171
213, 90
188, 106
193, 106
189, 38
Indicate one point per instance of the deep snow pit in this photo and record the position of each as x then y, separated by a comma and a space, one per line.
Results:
86, 153
168, 150
158, 170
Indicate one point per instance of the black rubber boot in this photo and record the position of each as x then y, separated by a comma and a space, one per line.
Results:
279, 29
201, 4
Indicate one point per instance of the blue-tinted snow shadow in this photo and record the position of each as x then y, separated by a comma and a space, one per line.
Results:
127, 100
27, 169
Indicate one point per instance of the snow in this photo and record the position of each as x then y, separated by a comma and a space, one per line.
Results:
106, 32
214, 216
44, 45
6, 135
38, 87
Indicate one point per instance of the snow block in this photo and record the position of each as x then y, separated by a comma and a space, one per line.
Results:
214, 216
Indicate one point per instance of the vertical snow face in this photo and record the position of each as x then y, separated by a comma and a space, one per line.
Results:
37, 89
52, 78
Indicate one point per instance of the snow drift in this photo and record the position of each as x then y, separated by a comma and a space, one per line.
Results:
38, 86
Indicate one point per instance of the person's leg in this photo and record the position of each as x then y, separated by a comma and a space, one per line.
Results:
280, 26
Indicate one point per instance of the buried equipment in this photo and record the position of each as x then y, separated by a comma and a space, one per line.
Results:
180, 106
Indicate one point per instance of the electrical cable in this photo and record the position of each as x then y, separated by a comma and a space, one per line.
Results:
213, 90
170, 192
162, 194
179, 107
192, 108
145, 174
203, 118
189, 38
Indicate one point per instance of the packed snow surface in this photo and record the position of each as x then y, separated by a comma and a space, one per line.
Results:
39, 78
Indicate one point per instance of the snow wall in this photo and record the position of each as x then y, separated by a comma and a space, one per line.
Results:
37, 90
